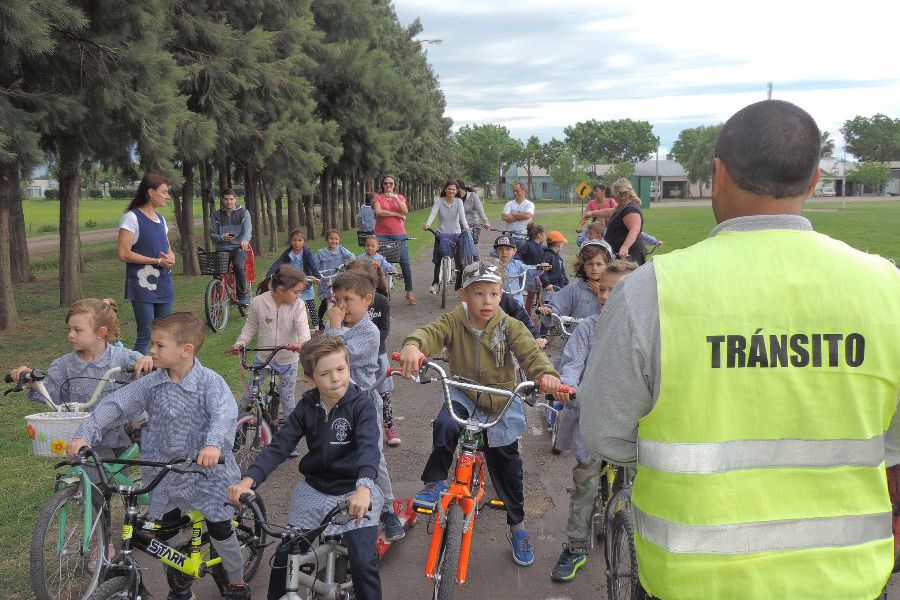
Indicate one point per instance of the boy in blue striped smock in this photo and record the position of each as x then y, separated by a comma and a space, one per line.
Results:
191, 413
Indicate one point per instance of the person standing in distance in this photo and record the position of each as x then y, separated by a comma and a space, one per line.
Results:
391, 209
518, 213
143, 245
753, 378
230, 228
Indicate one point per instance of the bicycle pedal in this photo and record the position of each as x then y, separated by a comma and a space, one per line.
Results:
496, 504
424, 511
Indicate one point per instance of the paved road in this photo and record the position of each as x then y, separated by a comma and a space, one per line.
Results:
492, 573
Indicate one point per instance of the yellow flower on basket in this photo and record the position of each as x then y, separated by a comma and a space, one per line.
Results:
58, 447
30, 431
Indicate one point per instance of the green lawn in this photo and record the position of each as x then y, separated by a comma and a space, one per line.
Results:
27, 481
42, 216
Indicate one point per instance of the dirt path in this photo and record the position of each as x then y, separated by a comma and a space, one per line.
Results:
492, 573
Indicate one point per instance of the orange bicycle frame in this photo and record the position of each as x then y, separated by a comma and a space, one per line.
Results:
468, 490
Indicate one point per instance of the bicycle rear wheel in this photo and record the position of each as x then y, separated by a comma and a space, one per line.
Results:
60, 568
217, 305
622, 577
445, 585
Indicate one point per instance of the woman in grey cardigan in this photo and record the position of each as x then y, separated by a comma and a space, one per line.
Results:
452, 236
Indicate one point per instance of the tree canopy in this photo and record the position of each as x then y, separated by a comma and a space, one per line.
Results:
694, 150
872, 139
616, 141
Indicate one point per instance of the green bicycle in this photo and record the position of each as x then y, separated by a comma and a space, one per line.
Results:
72, 529
190, 561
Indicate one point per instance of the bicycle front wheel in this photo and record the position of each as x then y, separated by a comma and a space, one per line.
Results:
217, 305
251, 536
250, 436
445, 585
112, 589
445, 280
622, 577
60, 566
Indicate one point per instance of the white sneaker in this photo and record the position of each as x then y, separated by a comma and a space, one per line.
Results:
435, 288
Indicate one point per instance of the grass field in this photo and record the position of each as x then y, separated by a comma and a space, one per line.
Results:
27, 481
42, 216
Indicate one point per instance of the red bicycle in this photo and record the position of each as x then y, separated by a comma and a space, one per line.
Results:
221, 292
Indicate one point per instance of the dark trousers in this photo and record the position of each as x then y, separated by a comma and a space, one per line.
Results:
503, 463
238, 258
360, 544
323, 306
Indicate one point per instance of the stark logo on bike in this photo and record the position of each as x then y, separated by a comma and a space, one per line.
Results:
144, 274
166, 554
341, 428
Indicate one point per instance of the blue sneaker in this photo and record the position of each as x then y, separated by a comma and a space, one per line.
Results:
523, 550
430, 495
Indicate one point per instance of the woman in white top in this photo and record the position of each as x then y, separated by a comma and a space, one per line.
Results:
143, 246
448, 239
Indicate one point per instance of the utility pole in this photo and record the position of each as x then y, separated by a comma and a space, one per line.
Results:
769, 91
658, 187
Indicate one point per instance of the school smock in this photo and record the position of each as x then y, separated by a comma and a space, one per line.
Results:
512, 279
329, 260
304, 261
571, 366
575, 300
183, 418
147, 282
70, 378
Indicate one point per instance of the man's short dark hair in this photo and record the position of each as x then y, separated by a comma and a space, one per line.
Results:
227, 192
770, 148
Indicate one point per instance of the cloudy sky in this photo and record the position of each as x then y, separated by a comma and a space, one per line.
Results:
536, 66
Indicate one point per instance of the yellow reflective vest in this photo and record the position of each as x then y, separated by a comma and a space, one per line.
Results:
761, 466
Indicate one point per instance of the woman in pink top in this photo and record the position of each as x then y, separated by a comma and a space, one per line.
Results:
390, 225
598, 202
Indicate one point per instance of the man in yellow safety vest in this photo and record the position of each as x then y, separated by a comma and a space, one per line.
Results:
752, 380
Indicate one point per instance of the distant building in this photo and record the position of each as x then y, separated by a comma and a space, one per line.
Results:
37, 187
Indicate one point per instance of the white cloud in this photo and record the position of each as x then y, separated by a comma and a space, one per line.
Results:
539, 65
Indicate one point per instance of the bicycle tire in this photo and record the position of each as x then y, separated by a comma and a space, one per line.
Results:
622, 580
443, 283
112, 589
448, 561
217, 304
554, 436
250, 436
42, 561
251, 537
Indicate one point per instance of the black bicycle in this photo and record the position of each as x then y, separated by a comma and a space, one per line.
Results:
259, 423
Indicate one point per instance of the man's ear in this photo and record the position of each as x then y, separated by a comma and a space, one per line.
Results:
812, 184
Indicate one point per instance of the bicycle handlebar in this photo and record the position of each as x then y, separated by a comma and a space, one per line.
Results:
86, 453
273, 350
525, 390
290, 533
563, 321
36, 377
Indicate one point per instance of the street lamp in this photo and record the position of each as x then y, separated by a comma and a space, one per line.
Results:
428, 41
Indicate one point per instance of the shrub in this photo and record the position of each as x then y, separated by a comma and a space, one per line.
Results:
47, 228
91, 224
51, 194
95, 194
121, 194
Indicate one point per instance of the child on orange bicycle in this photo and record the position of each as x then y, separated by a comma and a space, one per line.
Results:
586, 472
483, 344
340, 425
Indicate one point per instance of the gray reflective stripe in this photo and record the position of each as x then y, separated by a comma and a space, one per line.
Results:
719, 457
765, 536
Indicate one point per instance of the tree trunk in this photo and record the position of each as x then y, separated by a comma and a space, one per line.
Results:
228, 174
292, 215
530, 185
20, 264
206, 201
251, 206
345, 202
69, 240
223, 174
186, 228
9, 185
269, 217
354, 199
323, 201
279, 212
309, 215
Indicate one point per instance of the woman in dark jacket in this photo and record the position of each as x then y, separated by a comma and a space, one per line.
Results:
626, 221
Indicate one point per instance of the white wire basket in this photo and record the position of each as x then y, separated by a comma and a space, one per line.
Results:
50, 432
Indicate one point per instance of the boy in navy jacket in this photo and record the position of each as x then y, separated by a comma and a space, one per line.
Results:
340, 424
